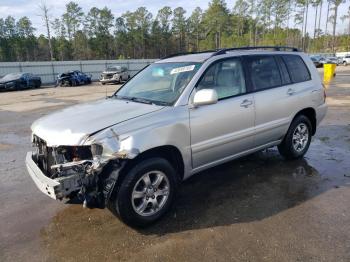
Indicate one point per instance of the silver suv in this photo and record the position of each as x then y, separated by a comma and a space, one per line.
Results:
175, 118
114, 74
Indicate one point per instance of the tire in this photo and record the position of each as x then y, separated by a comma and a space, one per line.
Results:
125, 206
294, 149
103, 84
345, 63
120, 80
37, 84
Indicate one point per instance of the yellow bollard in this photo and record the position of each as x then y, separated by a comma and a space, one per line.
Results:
329, 72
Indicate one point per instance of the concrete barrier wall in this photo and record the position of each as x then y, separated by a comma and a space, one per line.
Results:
48, 71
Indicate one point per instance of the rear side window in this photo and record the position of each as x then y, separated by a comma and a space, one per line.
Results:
297, 68
284, 72
264, 72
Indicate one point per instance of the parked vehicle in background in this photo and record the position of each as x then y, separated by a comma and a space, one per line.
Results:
114, 74
178, 116
332, 60
18, 81
73, 78
318, 60
346, 60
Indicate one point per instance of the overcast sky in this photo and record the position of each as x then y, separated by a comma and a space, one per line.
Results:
29, 8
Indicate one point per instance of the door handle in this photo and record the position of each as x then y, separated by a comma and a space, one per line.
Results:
291, 91
246, 103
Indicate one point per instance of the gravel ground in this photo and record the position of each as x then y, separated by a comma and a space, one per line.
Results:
259, 208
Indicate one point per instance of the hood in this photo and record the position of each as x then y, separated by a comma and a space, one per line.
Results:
71, 126
111, 72
4, 81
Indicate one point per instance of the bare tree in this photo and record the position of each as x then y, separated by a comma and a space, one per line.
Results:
319, 19
45, 16
336, 4
327, 21
343, 18
305, 24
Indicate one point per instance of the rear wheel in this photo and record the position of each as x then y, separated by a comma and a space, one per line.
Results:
298, 138
37, 84
146, 193
345, 63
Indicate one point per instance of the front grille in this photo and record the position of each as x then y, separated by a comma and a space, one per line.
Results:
48, 156
107, 76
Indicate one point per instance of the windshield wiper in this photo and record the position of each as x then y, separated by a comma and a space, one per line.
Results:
135, 99
143, 100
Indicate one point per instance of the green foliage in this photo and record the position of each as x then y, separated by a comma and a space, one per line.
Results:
99, 35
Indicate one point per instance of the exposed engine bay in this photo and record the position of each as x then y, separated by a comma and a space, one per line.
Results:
79, 170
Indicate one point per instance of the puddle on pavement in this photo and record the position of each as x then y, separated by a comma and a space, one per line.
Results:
247, 190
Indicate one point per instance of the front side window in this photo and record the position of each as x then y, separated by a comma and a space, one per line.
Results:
226, 77
159, 83
264, 72
297, 68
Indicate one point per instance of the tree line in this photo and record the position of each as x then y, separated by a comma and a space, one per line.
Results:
98, 34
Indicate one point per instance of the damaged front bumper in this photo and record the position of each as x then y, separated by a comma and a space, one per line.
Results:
90, 170
57, 188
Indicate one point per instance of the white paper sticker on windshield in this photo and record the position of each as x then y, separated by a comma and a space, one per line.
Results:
182, 69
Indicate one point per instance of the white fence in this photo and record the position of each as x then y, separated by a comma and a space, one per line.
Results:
48, 71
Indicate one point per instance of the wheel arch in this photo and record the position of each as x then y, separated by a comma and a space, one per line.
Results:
169, 152
310, 113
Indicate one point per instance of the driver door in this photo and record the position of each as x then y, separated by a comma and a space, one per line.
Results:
224, 130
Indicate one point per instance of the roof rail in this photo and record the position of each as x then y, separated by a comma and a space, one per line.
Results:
276, 48
224, 50
190, 53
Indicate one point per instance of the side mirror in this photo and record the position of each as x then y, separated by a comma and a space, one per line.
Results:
205, 97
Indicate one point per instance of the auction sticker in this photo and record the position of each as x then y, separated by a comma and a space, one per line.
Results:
182, 69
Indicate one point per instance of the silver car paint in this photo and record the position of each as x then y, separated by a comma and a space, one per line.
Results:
72, 125
205, 136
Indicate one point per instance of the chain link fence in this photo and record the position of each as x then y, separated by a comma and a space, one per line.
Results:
48, 71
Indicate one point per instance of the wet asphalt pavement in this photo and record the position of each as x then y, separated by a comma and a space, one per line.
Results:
259, 208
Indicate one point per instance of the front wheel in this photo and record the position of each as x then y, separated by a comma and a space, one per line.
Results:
146, 193
298, 138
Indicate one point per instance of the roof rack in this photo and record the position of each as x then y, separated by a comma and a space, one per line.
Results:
224, 50
190, 53
275, 48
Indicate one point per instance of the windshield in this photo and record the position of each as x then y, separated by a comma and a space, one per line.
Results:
160, 83
10, 77
114, 68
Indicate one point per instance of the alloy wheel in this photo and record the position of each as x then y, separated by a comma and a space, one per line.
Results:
300, 137
150, 193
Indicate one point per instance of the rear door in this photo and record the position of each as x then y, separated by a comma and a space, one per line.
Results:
276, 94
272, 100
224, 129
